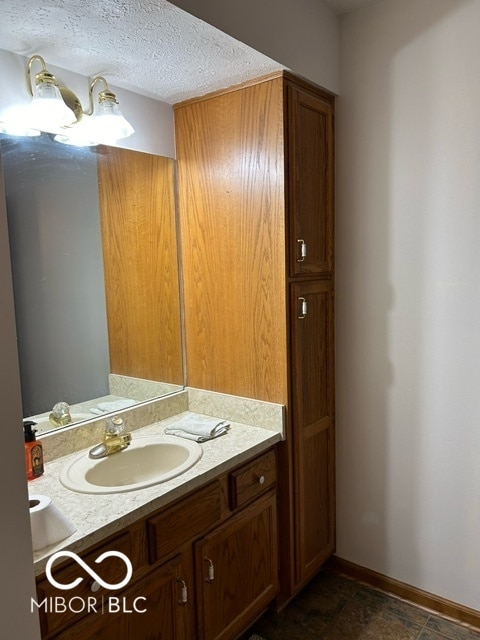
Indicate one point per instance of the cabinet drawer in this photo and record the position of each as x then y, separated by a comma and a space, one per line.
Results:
188, 518
112, 570
253, 479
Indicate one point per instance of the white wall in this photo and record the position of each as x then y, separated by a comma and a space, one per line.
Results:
408, 294
151, 119
300, 34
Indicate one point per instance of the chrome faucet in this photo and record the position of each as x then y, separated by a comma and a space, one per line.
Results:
114, 440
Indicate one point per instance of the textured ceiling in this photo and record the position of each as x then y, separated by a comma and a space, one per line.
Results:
147, 46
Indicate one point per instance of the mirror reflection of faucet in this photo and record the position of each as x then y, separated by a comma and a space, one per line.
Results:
114, 440
60, 415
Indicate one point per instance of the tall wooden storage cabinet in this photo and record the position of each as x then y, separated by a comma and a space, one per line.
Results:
255, 187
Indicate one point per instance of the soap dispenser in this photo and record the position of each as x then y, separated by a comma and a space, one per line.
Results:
33, 451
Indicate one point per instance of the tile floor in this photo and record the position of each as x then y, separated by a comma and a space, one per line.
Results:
333, 607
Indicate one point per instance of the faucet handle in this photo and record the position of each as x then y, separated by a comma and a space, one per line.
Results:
115, 426
61, 409
60, 415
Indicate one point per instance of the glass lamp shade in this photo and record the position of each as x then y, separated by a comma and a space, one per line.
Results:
108, 124
79, 135
48, 111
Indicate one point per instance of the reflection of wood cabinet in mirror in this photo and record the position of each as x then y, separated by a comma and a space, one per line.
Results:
137, 211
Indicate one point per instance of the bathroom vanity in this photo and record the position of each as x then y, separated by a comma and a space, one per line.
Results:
203, 548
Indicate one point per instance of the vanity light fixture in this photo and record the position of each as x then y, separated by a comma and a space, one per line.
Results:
56, 109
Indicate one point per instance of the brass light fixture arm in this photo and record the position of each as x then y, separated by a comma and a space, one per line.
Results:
44, 75
105, 95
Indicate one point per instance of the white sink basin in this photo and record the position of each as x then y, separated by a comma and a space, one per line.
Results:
147, 461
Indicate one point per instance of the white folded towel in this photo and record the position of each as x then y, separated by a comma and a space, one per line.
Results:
197, 427
114, 405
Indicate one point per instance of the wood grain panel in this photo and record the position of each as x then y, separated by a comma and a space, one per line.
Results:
141, 268
156, 616
252, 479
188, 518
113, 570
231, 204
311, 183
313, 425
240, 590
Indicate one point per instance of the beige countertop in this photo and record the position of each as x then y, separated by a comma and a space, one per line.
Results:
101, 515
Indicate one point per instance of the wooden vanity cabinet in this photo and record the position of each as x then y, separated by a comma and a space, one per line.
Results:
232, 592
205, 567
151, 609
256, 207
86, 596
310, 233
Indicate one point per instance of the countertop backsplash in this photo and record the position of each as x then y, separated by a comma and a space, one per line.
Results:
265, 415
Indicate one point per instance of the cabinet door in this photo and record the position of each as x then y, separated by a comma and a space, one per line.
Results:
310, 182
236, 571
313, 424
151, 609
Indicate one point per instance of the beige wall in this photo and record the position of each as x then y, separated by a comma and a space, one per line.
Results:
300, 34
408, 294
15, 540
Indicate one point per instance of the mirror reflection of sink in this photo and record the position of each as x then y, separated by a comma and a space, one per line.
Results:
147, 461
44, 424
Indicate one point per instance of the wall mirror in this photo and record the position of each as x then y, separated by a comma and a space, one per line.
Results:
95, 270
